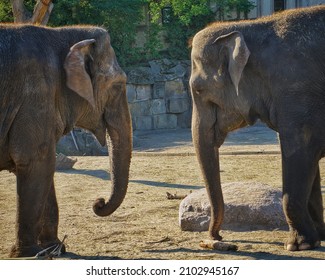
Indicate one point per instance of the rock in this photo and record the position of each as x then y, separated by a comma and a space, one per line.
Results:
175, 89
140, 76
179, 70
80, 143
247, 206
143, 92
158, 95
179, 105
166, 64
159, 90
158, 106
140, 108
143, 123
164, 121
63, 162
155, 67
136, 141
131, 93
184, 120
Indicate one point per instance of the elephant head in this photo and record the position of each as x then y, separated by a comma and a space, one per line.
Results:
217, 66
93, 72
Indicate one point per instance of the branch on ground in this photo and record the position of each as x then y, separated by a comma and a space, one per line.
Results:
175, 196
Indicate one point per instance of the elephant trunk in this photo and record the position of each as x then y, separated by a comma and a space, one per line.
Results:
206, 144
119, 128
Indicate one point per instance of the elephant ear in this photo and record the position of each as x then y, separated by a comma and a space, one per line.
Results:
238, 54
77, 77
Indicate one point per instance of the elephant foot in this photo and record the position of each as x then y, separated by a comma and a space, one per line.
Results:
24, 251
302, 246
215, 235
298, 242
321, 231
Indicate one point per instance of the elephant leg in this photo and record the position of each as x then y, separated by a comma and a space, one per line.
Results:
299, 173
315, 206
34, 179
50, 222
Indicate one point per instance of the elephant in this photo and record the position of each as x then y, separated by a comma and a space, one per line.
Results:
52, 80
270, 69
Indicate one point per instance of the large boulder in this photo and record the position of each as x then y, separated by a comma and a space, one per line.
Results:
247, 206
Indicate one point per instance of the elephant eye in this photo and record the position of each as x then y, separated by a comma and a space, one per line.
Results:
218, 77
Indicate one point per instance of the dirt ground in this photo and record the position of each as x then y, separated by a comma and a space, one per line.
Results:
146, 225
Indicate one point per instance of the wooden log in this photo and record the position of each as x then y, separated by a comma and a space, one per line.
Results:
218, 245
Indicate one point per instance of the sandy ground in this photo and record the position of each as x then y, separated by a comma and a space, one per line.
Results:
146, 225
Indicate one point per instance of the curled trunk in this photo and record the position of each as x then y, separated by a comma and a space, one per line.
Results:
120, 131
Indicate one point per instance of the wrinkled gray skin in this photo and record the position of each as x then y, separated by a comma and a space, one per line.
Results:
272, 69
52, 80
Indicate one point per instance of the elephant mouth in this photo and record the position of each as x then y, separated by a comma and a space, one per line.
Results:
226, 123
101, 133
219, 136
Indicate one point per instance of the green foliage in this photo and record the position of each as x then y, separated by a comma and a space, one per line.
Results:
240, 6
186, 18
119, 17
122, 18
178, 33
184, 10
5, 11
153, 44
189, 16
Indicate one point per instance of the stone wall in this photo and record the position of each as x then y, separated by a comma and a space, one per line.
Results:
158, 95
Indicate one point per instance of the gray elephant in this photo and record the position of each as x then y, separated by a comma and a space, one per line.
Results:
272, 69
51, 80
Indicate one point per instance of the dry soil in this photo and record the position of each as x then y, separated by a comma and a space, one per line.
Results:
146, 225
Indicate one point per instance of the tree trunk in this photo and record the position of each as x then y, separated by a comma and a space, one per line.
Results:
41, 14
19, 10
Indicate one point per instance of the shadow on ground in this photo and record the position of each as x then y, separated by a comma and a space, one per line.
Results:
165, 185
101, 174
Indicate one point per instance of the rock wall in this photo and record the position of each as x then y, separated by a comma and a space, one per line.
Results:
158, 95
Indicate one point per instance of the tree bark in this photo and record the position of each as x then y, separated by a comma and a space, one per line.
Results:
42, 11
19, 10
40, 16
